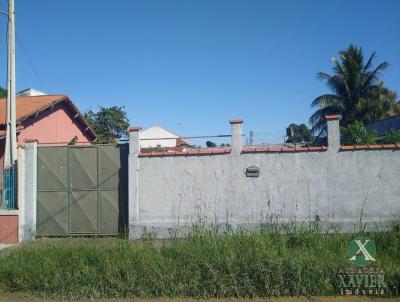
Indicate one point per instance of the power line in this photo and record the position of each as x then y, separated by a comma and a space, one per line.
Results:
31, 64
26, 55
185, 137
276, 132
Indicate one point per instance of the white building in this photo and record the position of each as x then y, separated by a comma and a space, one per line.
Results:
156, 136
30, 92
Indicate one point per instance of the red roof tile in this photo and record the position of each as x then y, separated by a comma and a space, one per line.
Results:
283, 149
332, 116
134, 128
29, 106
370, 147
236, 121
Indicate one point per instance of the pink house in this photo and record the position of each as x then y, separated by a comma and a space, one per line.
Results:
50, 119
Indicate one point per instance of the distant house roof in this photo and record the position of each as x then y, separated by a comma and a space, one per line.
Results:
180, 142
385, 124
163, 133
30, 106
30, 92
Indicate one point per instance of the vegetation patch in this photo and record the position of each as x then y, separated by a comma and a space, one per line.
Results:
203, 265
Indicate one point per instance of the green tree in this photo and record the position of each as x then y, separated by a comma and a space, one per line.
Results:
356, 134
3, 92
109, 123
357, 92
298, 134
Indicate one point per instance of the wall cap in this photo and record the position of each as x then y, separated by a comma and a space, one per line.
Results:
330, 117
9, 212
31, 140
283, 149
370, 147
236, 121
134, 128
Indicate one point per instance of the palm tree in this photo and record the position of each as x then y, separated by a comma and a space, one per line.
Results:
357, 94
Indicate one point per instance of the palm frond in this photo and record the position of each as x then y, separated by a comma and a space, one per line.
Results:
369, 63
318, 121
373, 76
335, 83
326, 100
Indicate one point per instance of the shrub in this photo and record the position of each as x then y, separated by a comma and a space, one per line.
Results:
356, 134
240, 264
391, 137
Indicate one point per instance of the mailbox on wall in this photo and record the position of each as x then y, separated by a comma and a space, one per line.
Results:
253, 171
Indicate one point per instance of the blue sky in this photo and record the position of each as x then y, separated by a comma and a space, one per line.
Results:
198, 63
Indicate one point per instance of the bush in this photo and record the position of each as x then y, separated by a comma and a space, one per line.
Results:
391, 137
256, 264
356, 134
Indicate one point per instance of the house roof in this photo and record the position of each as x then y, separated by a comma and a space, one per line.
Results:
144, 134
29, 106
30, 92
172, 135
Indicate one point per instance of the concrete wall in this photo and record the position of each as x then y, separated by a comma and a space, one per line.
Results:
338, 186
28, 191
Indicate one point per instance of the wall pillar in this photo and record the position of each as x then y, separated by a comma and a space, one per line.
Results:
28, 205
333, 132
21, 191
133, 179
236, 135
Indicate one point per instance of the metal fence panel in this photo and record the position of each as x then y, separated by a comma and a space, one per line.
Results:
83, 168
112, 167
52, 213
110, 212
82, 190
84, 218
8, 189
52, 166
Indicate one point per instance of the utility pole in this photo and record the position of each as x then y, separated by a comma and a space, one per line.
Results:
251, 140
10, 155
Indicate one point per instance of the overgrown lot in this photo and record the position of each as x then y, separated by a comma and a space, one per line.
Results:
234, 264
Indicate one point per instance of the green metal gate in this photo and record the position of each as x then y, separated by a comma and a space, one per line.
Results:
82, 190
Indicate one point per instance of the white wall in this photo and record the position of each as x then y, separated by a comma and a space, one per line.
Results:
337, 187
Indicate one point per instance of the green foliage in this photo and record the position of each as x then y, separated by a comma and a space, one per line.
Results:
356, 134
357, 92
3, 92
268, 262
109, 123
299, 134
154, 149
391, 137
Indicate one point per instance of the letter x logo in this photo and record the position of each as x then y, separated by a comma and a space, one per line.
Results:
361, 251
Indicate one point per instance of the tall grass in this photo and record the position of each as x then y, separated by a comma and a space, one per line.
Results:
204, 264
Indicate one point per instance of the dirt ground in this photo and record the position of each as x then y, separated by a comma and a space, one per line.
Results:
19, 298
